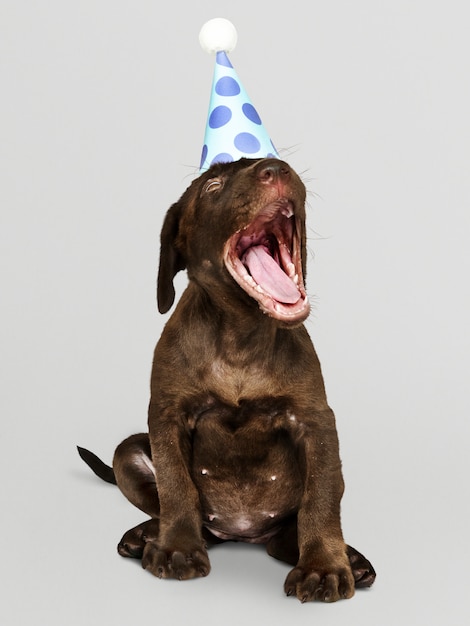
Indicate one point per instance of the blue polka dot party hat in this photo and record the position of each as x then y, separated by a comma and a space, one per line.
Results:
234, 128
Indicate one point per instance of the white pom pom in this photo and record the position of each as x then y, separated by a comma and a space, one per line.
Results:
217, 35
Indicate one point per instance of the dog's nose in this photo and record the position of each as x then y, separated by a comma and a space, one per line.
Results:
273, 171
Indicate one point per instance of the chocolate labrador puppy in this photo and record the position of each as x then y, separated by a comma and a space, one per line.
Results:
242, 444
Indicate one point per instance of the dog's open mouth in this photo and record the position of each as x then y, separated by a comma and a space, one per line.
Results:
265, 260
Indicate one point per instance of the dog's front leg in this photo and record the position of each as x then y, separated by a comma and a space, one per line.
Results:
179, 550
323, 571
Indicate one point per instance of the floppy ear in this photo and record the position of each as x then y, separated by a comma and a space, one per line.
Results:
171, 260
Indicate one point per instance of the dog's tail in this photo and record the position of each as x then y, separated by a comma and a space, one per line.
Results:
102, 470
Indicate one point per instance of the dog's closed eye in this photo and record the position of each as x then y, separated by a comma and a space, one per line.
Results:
212, 185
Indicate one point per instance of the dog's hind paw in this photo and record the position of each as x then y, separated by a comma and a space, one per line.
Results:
133, 541
363, 572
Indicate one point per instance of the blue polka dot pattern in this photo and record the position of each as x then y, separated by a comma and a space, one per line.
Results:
223, 157
227, 86
246, 142
219, 117
251, 113
205, 151
234, 128
222, 59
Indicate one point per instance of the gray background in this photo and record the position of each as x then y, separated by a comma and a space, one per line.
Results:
102, 110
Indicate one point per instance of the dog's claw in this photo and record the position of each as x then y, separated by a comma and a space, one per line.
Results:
131, 551
320, 594
359, 573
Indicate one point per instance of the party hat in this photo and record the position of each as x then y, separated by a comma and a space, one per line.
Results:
234, 128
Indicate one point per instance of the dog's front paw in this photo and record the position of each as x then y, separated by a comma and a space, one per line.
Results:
174, 563
326, 583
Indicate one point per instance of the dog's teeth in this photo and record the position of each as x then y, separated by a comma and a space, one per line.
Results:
273, 477
204, 472
286, 207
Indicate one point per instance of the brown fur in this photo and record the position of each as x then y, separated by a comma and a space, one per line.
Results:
242, 444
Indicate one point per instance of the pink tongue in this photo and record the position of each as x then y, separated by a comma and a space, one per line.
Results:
269, 275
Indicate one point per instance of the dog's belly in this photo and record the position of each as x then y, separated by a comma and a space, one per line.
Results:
247, 476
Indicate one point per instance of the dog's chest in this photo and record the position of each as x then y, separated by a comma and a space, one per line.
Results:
231, 382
